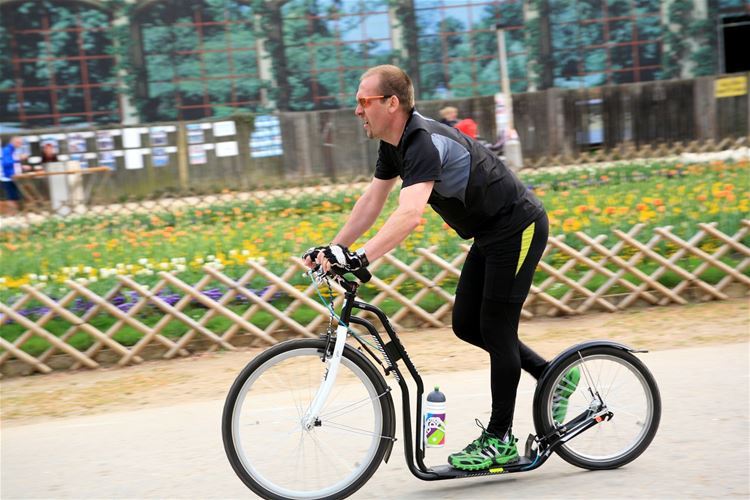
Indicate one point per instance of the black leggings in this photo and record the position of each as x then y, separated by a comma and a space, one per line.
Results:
489, 298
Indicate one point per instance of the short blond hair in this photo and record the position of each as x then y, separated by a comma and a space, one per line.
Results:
393, 81
447, 111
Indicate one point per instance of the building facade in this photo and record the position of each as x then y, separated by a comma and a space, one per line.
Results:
119, 61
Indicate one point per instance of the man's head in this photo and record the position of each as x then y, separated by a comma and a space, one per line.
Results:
449, 113
384, 100
17, 141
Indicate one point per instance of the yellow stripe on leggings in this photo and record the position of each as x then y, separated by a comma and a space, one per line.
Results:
528, 235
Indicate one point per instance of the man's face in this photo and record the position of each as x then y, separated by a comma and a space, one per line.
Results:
17, 142
375, 114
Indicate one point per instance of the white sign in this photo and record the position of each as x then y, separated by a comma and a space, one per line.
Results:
133, 159
228, 148
222, 129
131, 138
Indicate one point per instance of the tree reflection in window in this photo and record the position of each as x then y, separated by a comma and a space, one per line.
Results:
329, 44
56, 65
200, 58
458, 47
599, 42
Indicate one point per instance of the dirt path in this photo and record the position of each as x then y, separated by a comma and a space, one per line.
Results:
208, 376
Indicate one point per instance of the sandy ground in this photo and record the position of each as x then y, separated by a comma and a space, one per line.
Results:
208, 377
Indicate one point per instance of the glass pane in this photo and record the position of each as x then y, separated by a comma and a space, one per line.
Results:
35, 74
623, 77
456, 19
104, 99
96, 42
591, 34
159, 67
618, 8
188, 66
216, 64
620, 31
245, 62
649, 28
156, 39
562, 11
161, 90
242, 35
70, 100
191, 92
220, 91
649, 54
8, 107
67, 72
376, 26
621, 57
63, 44
595, 60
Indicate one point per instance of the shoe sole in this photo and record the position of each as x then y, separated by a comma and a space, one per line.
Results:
484, 465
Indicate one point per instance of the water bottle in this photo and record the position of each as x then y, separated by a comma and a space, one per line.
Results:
434, 419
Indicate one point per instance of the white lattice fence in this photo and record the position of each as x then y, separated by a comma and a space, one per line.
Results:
174, 318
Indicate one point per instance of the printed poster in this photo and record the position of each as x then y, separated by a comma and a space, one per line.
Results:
107, 159
197, 154
159, 157
158, 137
76, 144
265, 140
195, 133
104, 140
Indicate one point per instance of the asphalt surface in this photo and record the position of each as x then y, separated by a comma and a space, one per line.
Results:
702, 448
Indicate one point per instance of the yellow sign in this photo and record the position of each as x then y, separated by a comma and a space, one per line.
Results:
731, 86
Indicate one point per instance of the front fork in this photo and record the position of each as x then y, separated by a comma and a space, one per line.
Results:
310, 418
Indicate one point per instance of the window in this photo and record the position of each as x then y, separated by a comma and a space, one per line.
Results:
56, 65
329, 44
457, 43
200, 59
599, 42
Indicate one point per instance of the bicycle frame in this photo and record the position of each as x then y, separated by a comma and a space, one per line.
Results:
537, 450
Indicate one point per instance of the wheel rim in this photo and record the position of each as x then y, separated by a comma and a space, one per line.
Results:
293, 462
625, 392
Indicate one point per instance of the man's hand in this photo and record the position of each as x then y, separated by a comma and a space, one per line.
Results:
341, 258
311, 256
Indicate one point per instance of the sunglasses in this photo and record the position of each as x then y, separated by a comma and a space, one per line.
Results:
365, 101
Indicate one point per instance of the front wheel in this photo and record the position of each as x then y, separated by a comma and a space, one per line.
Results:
270, 449
626, 388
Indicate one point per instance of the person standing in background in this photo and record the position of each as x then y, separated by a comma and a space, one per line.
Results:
11, 165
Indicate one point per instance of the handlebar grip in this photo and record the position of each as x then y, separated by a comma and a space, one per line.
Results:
363, 275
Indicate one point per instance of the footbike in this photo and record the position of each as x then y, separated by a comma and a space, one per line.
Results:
314, 418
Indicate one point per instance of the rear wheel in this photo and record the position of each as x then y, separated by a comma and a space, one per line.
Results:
270, 449
627, 389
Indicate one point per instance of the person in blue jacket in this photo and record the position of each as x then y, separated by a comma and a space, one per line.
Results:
11, 157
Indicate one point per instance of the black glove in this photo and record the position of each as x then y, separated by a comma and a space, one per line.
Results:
312, 253
341, 258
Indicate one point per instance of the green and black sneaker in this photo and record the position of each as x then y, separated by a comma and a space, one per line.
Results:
561, 396
486, 451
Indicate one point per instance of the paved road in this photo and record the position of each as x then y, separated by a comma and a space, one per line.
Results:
701, 450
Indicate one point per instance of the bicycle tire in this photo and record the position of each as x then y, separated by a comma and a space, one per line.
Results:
636, 374
302, 353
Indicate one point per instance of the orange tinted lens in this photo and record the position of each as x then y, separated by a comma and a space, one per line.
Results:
365, 101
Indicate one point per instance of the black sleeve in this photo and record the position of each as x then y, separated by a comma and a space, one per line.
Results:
386, 167
422, 160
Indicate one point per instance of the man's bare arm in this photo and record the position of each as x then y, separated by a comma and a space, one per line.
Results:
401, 223
365, 211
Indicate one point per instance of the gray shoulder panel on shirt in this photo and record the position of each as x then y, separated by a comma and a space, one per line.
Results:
455, 167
